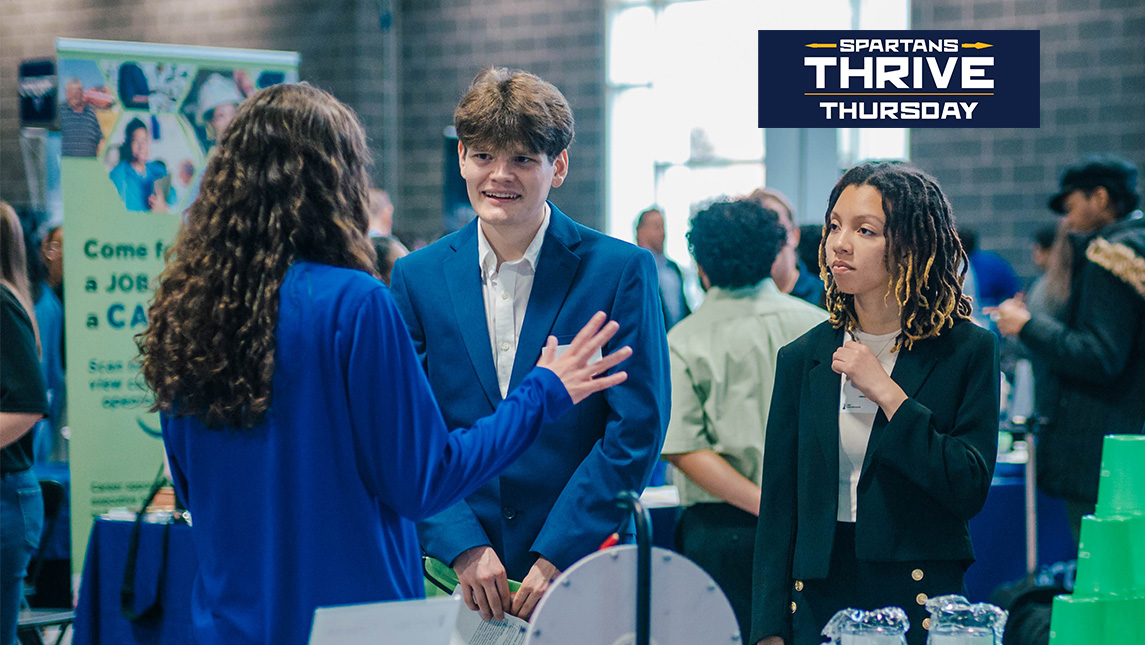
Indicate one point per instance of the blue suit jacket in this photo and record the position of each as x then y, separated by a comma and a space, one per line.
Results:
556, 500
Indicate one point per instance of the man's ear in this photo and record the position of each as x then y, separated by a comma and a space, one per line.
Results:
461, 156
1101, 198
560, 168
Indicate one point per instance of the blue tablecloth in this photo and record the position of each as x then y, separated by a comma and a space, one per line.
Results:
98, 617
999, 535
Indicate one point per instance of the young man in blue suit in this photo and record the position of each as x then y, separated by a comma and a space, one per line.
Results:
480, 303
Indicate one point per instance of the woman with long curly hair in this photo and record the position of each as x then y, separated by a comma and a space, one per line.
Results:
301, 431
883, 429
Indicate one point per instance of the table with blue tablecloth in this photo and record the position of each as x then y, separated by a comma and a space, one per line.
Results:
98, 616
998, 533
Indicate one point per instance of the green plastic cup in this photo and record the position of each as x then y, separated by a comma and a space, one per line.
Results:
1121, 490
1125, 621
1078, 621
1106, 556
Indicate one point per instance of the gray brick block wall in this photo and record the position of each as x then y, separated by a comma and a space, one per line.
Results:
1092, 100
342, 46
445, 45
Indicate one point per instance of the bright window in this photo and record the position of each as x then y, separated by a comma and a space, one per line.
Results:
682, 99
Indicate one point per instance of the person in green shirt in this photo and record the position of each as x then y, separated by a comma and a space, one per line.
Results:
723, 368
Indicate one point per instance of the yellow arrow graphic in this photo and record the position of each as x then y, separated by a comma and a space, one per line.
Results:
820, 45
976, 45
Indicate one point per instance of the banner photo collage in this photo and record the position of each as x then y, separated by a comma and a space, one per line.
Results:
138, 123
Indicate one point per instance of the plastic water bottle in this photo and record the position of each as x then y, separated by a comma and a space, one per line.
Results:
886, 626
954, 621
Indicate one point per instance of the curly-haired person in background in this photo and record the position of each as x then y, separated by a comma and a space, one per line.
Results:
301, 431
23, 402
723, 369
883, 426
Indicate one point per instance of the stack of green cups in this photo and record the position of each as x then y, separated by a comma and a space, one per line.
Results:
1108, 603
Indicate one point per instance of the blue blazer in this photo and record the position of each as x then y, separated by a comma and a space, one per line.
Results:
557, 499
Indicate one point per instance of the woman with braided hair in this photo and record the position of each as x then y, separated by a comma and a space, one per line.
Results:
301, 430
883, 428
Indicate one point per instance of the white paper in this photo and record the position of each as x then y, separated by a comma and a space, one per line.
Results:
428, 621
660, 496
596, 356
853, 401
470, 629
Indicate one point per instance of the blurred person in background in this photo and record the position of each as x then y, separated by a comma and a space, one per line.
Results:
723, 370
23, 402
389, 250
994, 278
650, 235
1096, 348
789, 272
381, 214
47, 291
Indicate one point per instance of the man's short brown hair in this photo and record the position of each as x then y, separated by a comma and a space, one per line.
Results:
504, 108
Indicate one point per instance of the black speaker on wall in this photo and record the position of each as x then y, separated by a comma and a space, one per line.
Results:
36, 83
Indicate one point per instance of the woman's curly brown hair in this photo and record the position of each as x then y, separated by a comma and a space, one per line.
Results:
288, 182
923, 254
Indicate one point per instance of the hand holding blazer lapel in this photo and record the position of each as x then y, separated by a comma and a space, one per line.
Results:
463, 282
556, 267
912, 367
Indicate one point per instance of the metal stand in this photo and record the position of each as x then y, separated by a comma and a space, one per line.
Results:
1031, 500
643, 519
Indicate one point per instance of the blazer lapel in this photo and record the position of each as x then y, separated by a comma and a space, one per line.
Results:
911, 369
556, 267
463, 282
824, 386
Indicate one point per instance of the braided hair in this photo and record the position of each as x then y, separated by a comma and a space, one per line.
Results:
924, 256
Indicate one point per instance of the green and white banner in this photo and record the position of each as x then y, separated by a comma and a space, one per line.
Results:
138, 123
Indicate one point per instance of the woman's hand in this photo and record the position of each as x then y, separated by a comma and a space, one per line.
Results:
857, 362
573, 367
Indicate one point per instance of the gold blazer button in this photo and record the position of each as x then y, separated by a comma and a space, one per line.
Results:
799, 585
793, 607
920, 599
926, 623
916, 575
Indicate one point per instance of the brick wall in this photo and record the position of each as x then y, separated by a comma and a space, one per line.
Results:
1092, 100
342, 45
443, 46
363, 51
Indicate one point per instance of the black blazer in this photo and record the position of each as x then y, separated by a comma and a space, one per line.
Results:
926, 473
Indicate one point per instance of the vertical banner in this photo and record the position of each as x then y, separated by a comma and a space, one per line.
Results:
138, 123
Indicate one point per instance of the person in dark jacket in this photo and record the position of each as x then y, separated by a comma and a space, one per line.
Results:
1097, 349
883, 427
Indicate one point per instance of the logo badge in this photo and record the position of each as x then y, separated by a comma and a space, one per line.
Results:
899, 79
